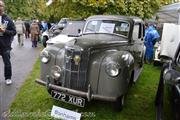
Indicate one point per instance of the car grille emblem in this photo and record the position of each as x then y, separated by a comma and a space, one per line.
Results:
77, 59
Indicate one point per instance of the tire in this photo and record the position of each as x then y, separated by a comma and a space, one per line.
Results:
119, 103
45, 38
49, 91
157, 63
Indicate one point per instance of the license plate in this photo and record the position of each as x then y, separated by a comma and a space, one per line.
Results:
68, 98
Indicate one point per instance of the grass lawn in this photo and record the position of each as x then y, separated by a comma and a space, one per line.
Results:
33, 102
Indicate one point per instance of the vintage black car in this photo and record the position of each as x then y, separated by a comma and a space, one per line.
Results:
99, 65
168, 94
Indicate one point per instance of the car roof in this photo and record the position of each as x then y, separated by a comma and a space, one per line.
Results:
115, 17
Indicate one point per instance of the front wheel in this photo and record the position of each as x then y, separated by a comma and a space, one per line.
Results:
49, 91
119, 103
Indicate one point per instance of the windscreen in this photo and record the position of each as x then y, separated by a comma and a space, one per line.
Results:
107, 26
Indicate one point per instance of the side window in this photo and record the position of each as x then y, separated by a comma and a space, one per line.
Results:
121, 28
137, 32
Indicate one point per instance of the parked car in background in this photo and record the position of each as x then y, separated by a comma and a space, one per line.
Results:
73, 29
60, 26
157, 60
46, 35
101, 64
63, 22
54, 30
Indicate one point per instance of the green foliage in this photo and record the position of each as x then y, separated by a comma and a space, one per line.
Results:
29, 9
26, 9
85, 8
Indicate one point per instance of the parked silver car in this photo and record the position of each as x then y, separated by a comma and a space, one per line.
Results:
72, 30
101, 64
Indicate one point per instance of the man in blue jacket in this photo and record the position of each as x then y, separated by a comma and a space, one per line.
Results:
7, 32
151, 35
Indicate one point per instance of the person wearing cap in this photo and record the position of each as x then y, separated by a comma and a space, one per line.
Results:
8, 31
20, 28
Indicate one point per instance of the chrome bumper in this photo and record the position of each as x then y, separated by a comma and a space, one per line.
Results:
87, 95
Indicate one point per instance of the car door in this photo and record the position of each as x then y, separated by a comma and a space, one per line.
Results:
137, 37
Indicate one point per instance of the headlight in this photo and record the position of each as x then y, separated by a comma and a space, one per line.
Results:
56, 72
113, 69
45, 57
167, 76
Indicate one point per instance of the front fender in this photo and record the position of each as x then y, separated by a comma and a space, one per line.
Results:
115, 86
45, 68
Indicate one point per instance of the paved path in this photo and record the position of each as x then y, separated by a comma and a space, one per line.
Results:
23, 59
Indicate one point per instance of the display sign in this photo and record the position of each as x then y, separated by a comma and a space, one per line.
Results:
107, 28
64, 114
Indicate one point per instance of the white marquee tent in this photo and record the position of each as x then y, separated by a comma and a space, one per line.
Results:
169, 13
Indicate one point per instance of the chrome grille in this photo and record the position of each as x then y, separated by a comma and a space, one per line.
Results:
76, 74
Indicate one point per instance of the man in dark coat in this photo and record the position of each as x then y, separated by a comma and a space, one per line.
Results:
27, 27
7, 32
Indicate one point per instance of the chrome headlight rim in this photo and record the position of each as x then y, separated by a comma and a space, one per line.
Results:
113, 69
45, 56
56, 72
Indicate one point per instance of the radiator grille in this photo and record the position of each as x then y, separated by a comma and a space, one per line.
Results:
76, 74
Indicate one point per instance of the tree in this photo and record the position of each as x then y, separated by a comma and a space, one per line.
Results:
141, 8
26, 9
29, 9
85, 8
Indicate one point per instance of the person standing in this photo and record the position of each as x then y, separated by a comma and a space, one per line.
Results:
45, 25
151, 35
7, 33
27, 29
34, 33
20, 28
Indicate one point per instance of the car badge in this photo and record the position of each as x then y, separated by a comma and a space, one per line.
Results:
77, 59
